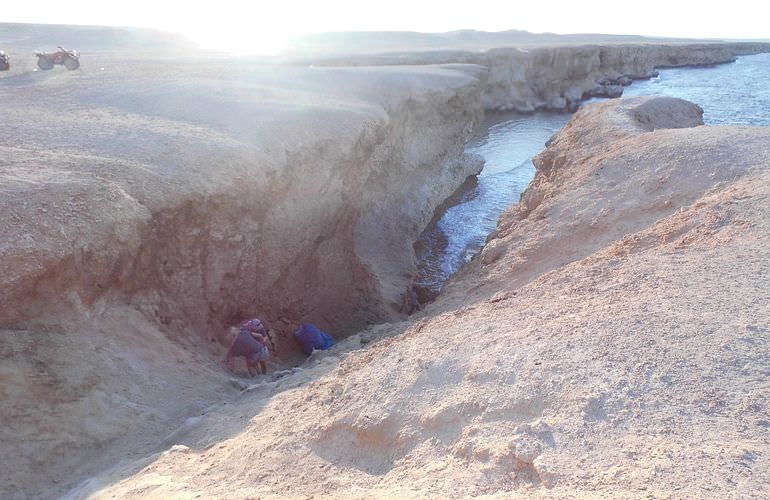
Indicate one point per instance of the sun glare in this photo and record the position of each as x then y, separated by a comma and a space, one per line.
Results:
241, 41
265, 27
239, 32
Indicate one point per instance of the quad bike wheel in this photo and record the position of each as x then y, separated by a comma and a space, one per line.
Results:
44, 63
71, 64
4, 66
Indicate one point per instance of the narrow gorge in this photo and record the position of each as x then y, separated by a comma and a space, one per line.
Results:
162, 203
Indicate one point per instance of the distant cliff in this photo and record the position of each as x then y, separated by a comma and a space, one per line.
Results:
559, 77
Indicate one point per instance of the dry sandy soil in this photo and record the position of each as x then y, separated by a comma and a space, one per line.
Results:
612, 340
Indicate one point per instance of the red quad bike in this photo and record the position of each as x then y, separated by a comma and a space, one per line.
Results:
5, 61
70, 59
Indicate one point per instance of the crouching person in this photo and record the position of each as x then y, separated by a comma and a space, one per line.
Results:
309, 338
253, 343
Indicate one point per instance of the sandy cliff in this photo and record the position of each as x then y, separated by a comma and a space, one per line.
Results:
611, 340
148, 206
159, 186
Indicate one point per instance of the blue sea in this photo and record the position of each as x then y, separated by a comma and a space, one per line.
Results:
734, 93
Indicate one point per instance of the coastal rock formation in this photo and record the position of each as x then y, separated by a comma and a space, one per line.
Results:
149, 203
557, 78
141, 194
526, 77
615, 344
144, 212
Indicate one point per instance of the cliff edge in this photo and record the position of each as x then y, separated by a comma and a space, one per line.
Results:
148, 207
557, 73
611, 339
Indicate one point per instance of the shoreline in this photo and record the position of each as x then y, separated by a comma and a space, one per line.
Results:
557, 77
427, 290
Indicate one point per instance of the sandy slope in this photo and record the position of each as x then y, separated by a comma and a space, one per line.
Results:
612, 340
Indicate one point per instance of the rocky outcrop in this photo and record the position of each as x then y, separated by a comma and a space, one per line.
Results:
559, 77
612, 340
143, 214
587, 164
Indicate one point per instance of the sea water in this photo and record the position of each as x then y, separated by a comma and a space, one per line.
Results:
737, 93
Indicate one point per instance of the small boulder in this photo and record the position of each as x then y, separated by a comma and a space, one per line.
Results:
546, 473
493, 251
610, 91
614, 91
527, 448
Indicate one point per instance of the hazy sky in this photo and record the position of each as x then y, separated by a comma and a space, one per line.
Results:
265, 25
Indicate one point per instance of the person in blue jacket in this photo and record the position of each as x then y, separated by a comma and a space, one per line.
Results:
309, 338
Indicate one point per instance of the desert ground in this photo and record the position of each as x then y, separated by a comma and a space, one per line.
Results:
611, 340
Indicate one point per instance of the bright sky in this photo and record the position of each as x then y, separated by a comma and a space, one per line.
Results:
264, 26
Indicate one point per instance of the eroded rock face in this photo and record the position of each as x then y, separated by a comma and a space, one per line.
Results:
556, 78
616, 342
202, 225
151, 208
559, 77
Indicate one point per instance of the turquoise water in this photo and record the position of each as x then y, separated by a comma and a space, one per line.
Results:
736, 93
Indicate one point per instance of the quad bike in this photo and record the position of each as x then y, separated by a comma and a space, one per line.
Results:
5, 61
70, 59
